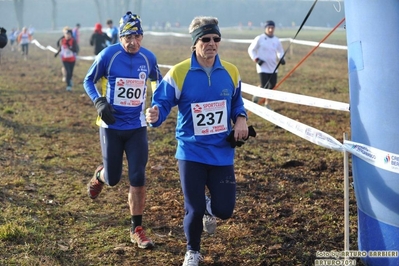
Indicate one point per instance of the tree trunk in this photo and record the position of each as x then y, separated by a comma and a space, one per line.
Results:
19, 11
100, 17
137, 7
125, 4
54, 15
107, 9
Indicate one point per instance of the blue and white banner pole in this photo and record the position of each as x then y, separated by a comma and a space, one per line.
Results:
373, 65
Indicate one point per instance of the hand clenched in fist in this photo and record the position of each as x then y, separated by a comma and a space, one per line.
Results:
152, 114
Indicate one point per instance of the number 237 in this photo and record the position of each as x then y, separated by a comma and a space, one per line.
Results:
209, 118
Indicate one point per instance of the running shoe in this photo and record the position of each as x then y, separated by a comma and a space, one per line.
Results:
192, 258
139, 237
95, 186
209, 221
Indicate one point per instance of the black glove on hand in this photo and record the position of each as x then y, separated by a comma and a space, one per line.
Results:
104, 110
259, 61
282, 61
239, 143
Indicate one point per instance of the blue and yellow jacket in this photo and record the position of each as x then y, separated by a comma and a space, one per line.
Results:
207, 104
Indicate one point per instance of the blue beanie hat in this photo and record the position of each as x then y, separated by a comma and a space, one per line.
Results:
130, 24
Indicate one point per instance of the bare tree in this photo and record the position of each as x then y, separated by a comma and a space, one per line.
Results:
99, 13
107, 8
126, 5
137, 6
54, 15
19, 11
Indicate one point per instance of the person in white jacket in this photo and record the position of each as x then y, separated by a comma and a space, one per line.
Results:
266, 50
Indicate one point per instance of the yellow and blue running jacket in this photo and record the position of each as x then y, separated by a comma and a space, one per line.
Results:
208, 104
122, 78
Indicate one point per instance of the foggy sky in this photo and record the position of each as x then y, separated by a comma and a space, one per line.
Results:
229, 12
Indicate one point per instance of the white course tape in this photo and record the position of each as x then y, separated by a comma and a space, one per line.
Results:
52, 49
36, 42
322, 45
88, 58
155, 33
294, 98
165, 66
304, 131
379, 158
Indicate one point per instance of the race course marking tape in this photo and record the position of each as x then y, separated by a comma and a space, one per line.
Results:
379, 158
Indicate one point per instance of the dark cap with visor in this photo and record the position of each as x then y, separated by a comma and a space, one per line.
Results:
270, 23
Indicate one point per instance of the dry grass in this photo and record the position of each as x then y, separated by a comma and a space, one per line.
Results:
289, 194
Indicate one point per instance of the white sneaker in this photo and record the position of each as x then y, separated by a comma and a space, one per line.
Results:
69, 88
192, 258
209, 221
63, 79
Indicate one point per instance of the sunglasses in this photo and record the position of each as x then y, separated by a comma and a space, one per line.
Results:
208, 39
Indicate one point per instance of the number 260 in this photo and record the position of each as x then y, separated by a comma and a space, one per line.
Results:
129, 93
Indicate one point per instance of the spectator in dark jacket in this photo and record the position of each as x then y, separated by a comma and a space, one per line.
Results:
3, 37
99, 39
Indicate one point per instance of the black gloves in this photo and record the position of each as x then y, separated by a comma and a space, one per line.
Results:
259, 61
282, 61
104, 110
239, 143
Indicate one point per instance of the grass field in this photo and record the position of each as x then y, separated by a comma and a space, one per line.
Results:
289, 191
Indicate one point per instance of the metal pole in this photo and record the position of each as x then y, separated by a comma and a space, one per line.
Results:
346, 199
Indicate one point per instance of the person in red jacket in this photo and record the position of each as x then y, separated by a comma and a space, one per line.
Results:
67, 48
99, 39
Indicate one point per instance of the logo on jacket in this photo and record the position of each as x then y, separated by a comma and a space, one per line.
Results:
120, 83
225, 92
142, 68
197, 109
142, 75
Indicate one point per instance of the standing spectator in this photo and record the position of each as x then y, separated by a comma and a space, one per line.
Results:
99, 39
24, 38
124, 69
207, 91
31, 30
3, 37
112, 32
76, 36
67, 49
266, 50
13, 38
